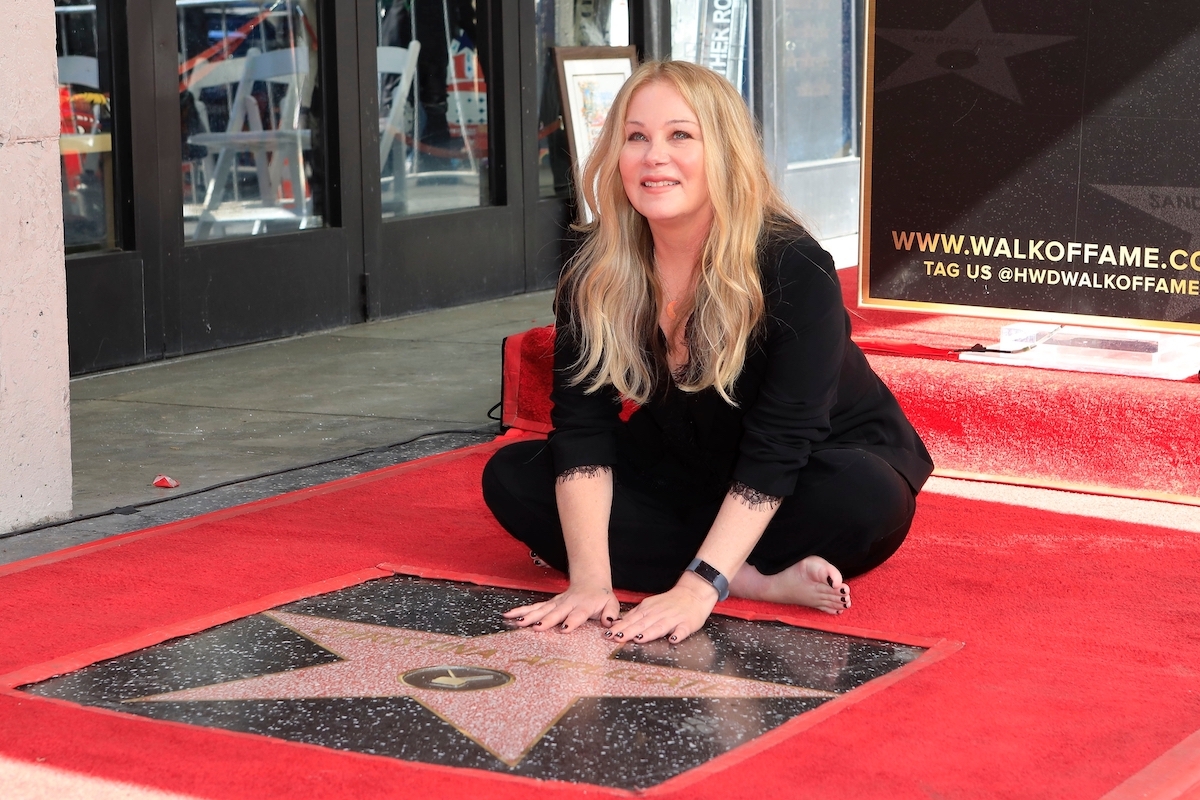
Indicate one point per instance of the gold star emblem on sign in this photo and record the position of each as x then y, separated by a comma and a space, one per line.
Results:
502, 690
968, 47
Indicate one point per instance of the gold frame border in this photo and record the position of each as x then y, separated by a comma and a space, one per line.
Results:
865, 299
864, 179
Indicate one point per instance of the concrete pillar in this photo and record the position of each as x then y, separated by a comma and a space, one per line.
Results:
35, 399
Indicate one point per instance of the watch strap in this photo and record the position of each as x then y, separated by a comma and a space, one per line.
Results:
711, 574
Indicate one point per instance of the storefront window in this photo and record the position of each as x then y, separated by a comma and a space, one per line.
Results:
817, 97
433, 133
568, 23
250, 109
713, 33
86, 124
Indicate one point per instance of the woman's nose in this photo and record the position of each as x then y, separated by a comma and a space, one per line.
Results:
656, 153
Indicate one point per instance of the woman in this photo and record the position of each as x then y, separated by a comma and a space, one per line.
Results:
766, 459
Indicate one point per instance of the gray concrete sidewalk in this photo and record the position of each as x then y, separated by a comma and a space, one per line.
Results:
228, 416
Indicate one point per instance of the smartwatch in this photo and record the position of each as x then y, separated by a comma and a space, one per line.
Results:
712, 575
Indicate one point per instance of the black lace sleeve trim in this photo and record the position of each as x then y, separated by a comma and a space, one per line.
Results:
586, 471
754, 499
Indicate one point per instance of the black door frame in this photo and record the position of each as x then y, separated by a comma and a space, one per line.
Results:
161, 297
236, 291
110, 319
448, 258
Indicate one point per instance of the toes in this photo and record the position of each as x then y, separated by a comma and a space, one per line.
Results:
821, 571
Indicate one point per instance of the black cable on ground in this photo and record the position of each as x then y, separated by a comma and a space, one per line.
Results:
136, 508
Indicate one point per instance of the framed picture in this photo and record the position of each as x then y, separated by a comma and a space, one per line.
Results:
588, 80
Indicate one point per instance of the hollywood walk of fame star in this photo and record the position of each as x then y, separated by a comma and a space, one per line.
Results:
503, 690
969, 47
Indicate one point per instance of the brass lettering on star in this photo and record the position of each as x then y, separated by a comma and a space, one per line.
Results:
408, 641
694, 687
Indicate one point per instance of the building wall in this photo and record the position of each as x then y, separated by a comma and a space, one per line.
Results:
35, 420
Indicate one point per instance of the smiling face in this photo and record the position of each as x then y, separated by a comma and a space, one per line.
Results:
662, 160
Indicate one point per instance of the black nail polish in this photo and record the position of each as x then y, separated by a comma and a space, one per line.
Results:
610, 619
638, 636
620, 636
843, 590
520, 619
537, 624
608, 634
674, 638
830, 580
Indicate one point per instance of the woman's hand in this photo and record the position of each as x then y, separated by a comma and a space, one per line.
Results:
676, 614
569, 610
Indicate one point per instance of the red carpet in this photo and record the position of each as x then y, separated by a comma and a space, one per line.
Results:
1103, 434
1109, 434
1079, 667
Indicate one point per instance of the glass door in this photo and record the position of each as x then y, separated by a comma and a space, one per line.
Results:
444, 213
106, 268
811, 112
268, 199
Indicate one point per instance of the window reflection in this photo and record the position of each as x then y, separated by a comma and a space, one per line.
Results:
433, 133
250, 110
568, 23
817, 97
713, 33
86, 127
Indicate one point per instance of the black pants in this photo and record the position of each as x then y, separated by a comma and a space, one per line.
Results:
850, 507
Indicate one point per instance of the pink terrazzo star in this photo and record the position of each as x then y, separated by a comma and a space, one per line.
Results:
503, 690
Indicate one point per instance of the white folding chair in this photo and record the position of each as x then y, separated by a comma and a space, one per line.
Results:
282, 140
403, 62
227, 74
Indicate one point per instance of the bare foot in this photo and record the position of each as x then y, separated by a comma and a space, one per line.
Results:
813, 582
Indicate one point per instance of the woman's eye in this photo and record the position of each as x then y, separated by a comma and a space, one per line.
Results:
637, 137
681, 135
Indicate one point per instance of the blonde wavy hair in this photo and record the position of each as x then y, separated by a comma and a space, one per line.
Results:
610, 287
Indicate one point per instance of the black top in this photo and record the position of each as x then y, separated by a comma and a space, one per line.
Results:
805, 386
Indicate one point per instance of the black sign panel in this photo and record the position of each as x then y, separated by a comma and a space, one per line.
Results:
1034, 160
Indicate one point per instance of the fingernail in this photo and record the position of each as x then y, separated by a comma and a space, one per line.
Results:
620, 635
638, 636
843, 590
830, 579
842, 611
674, 638
520, 619
537, 624
563, 626
607, 634
610, 619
